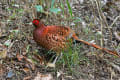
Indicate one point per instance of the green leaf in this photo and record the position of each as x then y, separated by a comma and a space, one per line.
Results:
62, 6
77, 19
52, 3
7, 43
15, 31
70, 9
28, 47
39, 8
55, 10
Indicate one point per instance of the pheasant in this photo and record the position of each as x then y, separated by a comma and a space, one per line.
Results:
57, 38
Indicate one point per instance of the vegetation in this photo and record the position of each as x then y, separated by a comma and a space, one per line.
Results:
94, 21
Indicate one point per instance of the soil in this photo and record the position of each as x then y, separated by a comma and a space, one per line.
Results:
22, 59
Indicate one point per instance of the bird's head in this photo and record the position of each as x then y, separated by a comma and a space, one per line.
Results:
36, 22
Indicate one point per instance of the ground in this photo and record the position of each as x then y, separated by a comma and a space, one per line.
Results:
93, 21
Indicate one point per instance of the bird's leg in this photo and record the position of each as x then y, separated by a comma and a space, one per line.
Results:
57, 57
53, 63
60, 55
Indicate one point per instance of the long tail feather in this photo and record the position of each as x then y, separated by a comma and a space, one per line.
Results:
96, 46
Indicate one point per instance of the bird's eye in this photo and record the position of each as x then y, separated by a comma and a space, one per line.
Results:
35, 22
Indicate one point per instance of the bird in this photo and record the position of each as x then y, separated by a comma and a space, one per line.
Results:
57, 38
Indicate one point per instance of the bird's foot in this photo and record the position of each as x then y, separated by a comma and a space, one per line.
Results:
52, 64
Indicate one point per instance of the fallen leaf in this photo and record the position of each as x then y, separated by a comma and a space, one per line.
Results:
27, 78
26, 70
51, 65
3, 53
58, 74
19, 57
43, 77
7, 43
2, 70
117, 35
40, 59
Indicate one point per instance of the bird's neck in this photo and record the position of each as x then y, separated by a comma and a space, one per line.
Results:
40, 26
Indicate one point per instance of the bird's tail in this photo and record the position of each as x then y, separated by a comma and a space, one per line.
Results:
96, 46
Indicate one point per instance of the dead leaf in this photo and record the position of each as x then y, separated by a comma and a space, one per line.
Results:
27, 78
51, 65
3, 53
7, 43
40, 59
2, 69
26, 70
117, 35
59, 74
19, 57
31, 62
43, 77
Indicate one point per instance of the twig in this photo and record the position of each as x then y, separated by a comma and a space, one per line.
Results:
117, 35
115, 20
101, 20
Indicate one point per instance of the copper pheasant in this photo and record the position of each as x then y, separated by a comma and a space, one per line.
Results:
56, 38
